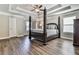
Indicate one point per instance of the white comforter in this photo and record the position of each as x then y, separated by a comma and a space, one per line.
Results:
37, 30
49, 31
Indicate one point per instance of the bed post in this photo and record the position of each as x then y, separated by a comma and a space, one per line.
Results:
30, 27
59, 27
44, 27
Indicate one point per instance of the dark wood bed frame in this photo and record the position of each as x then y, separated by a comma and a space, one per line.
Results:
43, 36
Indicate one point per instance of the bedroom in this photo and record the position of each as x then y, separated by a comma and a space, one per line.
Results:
14, 24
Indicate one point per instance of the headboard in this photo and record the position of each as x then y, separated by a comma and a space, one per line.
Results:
52, 26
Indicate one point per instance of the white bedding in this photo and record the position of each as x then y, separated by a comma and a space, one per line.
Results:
37, 30
49, 31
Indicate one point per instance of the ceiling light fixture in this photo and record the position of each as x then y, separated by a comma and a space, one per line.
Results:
37, 10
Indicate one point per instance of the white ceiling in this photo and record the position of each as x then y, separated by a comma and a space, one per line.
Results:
30, 6
51, 8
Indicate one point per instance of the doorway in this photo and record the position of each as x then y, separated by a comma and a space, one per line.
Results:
27, 27
12, 26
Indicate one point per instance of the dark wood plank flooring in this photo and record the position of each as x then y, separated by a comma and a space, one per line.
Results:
15, 46
55, 47
22, 46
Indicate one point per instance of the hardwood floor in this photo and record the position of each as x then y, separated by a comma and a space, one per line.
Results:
55, 47
22, 46
15, 46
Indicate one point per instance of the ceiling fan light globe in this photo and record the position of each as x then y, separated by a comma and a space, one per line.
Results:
37, 10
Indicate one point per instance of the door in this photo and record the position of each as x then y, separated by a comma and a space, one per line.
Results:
12, 26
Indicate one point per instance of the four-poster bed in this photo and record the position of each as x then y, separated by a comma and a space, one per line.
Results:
50, 30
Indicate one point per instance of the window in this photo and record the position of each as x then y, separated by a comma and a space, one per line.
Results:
68, 24
27, 26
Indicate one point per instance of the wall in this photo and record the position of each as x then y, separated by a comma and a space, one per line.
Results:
4, 7
4, 22
4, 26
36, 23
52, 19
20, 26
12, 26
33, 24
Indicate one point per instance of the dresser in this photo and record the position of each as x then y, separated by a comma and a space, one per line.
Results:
76, 32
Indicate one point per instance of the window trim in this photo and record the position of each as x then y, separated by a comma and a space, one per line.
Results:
67, 24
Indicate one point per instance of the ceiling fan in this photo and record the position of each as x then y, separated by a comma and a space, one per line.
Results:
37, 8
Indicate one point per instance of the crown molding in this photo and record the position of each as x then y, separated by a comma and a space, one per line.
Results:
63, 12
57, 9
5, 13
26, 11
14, 11
9, 14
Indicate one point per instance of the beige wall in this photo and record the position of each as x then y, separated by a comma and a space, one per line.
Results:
52, 19
4, 7
4, 22
4, 26
33, 24
20, 26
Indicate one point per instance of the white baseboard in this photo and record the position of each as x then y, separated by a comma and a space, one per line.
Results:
11, 37
5, 38
67, 38
20, 35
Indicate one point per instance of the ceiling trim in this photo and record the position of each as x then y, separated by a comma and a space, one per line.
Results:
70, 10
5, 13
18, 16
26, 11
9, 14
54, 7
14, 11
57, 9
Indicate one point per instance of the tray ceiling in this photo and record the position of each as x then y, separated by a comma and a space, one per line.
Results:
51, 8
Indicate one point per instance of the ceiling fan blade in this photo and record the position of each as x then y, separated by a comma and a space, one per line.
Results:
36, 8
40, 6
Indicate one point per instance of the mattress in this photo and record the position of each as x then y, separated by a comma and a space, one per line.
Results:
37, 30
50, 32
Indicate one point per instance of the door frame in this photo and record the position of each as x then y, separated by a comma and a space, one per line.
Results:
12, 33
